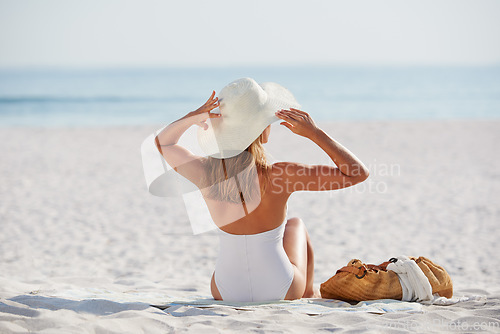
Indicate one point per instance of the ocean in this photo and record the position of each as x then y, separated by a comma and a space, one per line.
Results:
103, 97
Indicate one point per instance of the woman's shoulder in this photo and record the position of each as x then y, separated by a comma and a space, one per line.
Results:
286, 168
285, 172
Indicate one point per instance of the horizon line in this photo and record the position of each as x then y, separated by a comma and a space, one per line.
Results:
250, 66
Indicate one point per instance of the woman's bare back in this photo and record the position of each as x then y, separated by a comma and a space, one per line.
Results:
264, 213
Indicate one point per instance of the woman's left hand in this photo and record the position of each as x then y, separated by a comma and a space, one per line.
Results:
298, 121
200, 115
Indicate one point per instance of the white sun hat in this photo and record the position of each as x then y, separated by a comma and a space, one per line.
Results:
247, 108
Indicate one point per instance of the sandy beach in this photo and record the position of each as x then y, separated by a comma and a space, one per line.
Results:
85, 248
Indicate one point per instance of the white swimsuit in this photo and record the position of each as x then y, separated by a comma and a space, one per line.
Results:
253, 267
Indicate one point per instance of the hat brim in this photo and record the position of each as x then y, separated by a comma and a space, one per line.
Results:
226, 138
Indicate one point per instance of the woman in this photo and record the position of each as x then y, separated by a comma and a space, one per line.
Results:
263, 255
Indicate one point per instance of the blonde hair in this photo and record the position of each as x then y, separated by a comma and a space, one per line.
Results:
242, 188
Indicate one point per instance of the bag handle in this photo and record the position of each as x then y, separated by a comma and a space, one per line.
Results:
361, 271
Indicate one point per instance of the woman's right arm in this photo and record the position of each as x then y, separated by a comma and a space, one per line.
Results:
349, 171
182, 160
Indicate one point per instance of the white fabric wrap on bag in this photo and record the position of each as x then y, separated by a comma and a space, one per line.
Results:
414, 283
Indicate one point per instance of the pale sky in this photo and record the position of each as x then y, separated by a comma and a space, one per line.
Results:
146, 33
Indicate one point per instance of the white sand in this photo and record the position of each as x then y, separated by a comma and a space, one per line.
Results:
76, 221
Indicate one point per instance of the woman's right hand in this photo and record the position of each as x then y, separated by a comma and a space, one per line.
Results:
298, 121
200, 115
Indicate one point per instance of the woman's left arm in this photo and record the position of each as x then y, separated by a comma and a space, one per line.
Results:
182, 160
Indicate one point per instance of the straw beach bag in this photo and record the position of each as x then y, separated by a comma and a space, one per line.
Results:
358, 281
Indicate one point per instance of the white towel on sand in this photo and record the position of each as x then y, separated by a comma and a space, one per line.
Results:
415, 285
